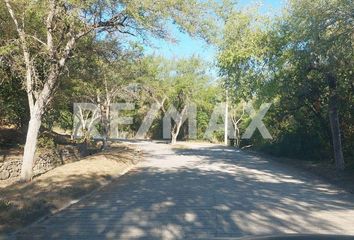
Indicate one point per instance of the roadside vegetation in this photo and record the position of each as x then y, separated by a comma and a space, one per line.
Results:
302, 62
56, 53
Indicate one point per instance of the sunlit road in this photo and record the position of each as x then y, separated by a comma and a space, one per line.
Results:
203, 191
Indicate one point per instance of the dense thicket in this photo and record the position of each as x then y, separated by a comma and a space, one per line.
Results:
303, 63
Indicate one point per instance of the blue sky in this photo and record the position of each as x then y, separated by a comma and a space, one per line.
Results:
187, 46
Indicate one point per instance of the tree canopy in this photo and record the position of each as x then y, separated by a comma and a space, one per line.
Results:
301, 61
56, 53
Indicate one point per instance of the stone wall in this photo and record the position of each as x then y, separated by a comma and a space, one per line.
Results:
10, 166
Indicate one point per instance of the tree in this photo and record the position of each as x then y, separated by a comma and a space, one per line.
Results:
237, 114
301, 61
241, 62
175, 86
106, 77
318, 44
14, 110
48, 32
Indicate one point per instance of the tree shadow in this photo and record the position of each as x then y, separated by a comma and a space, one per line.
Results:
23, 203
214, 192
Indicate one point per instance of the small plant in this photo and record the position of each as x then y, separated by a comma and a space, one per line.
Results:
46, 142
4, 205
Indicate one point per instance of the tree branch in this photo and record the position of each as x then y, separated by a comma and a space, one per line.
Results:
49, 25
26, 55
37, 39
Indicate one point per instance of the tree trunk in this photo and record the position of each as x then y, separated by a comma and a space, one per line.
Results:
105, 116
334, 122
175, 132
30, 147
177, 127
174, 138
226, 121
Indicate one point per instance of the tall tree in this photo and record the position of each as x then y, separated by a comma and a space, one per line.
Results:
317, 42
175, 86
106, 77
301, 61
241, 61
48, 32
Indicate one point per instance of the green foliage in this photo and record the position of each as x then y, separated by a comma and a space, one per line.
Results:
287, 61
51, 33
46, 141
241, 58
5, 205
13, 101
179, 83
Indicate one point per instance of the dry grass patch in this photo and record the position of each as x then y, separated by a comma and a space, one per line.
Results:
21, 204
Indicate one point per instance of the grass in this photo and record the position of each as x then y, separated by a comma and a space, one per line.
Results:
23, 203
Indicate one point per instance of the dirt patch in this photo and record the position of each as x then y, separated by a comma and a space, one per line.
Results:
21, 204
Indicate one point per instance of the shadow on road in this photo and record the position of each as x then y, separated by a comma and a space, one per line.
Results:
207, 192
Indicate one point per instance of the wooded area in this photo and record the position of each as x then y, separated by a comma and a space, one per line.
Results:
57, 53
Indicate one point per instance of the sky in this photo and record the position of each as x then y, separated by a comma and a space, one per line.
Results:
187, 46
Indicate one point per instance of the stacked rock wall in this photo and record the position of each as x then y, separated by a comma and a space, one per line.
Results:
10, 166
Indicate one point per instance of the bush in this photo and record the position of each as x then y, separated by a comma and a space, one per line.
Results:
46, 142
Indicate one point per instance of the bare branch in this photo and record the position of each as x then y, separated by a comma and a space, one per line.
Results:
49, 25
37, 39
26, 55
